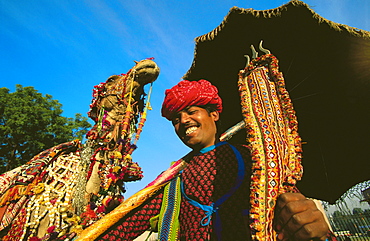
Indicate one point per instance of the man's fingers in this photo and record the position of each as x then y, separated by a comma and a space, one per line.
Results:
293, 208
285, 199
298, 221
298, 218
305, 225
311, 231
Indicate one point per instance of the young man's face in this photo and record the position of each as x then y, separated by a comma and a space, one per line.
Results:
196, 127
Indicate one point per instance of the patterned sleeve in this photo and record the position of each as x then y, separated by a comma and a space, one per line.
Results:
136, 223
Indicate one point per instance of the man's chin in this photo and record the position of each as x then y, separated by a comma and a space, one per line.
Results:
189, 143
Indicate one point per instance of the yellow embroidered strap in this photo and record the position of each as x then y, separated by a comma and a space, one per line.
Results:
272, 135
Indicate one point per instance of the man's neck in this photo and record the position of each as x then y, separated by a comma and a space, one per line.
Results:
206, 149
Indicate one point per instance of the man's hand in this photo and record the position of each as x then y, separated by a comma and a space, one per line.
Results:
297, 218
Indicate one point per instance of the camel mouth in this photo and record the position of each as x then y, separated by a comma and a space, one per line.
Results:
146, 64
146, 71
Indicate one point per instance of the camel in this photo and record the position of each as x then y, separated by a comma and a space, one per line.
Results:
68, 187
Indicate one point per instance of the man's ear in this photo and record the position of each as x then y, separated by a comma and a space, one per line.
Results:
215, 115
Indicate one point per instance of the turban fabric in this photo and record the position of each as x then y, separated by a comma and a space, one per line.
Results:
187, 93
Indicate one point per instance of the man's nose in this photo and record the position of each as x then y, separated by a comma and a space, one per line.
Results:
184, 118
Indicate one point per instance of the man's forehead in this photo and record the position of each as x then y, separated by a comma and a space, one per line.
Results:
189, 107
177, 114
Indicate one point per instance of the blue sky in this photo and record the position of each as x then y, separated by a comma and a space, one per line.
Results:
64, 48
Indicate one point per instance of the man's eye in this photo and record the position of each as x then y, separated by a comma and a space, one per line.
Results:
175, 121
191, 112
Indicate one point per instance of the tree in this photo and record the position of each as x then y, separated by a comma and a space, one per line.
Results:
31, 123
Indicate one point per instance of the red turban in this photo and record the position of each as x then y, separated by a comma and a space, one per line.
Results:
187, 93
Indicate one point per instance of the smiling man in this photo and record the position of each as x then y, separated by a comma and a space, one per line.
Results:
215, 184
195, 126
193, 108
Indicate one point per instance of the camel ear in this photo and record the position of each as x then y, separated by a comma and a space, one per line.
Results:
136, 62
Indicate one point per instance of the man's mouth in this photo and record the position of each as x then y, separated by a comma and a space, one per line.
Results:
191, 130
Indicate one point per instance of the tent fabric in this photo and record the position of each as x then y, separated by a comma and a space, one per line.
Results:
325, 66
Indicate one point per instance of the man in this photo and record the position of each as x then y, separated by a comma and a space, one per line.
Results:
195, 125
215, 183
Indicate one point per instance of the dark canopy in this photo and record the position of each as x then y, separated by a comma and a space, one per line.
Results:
326, 69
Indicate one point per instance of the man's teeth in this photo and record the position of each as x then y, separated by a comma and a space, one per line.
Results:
191, 130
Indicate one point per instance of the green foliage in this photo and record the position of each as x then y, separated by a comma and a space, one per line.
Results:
31, 123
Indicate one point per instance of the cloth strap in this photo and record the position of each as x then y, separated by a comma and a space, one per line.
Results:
170, 209
214, 207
